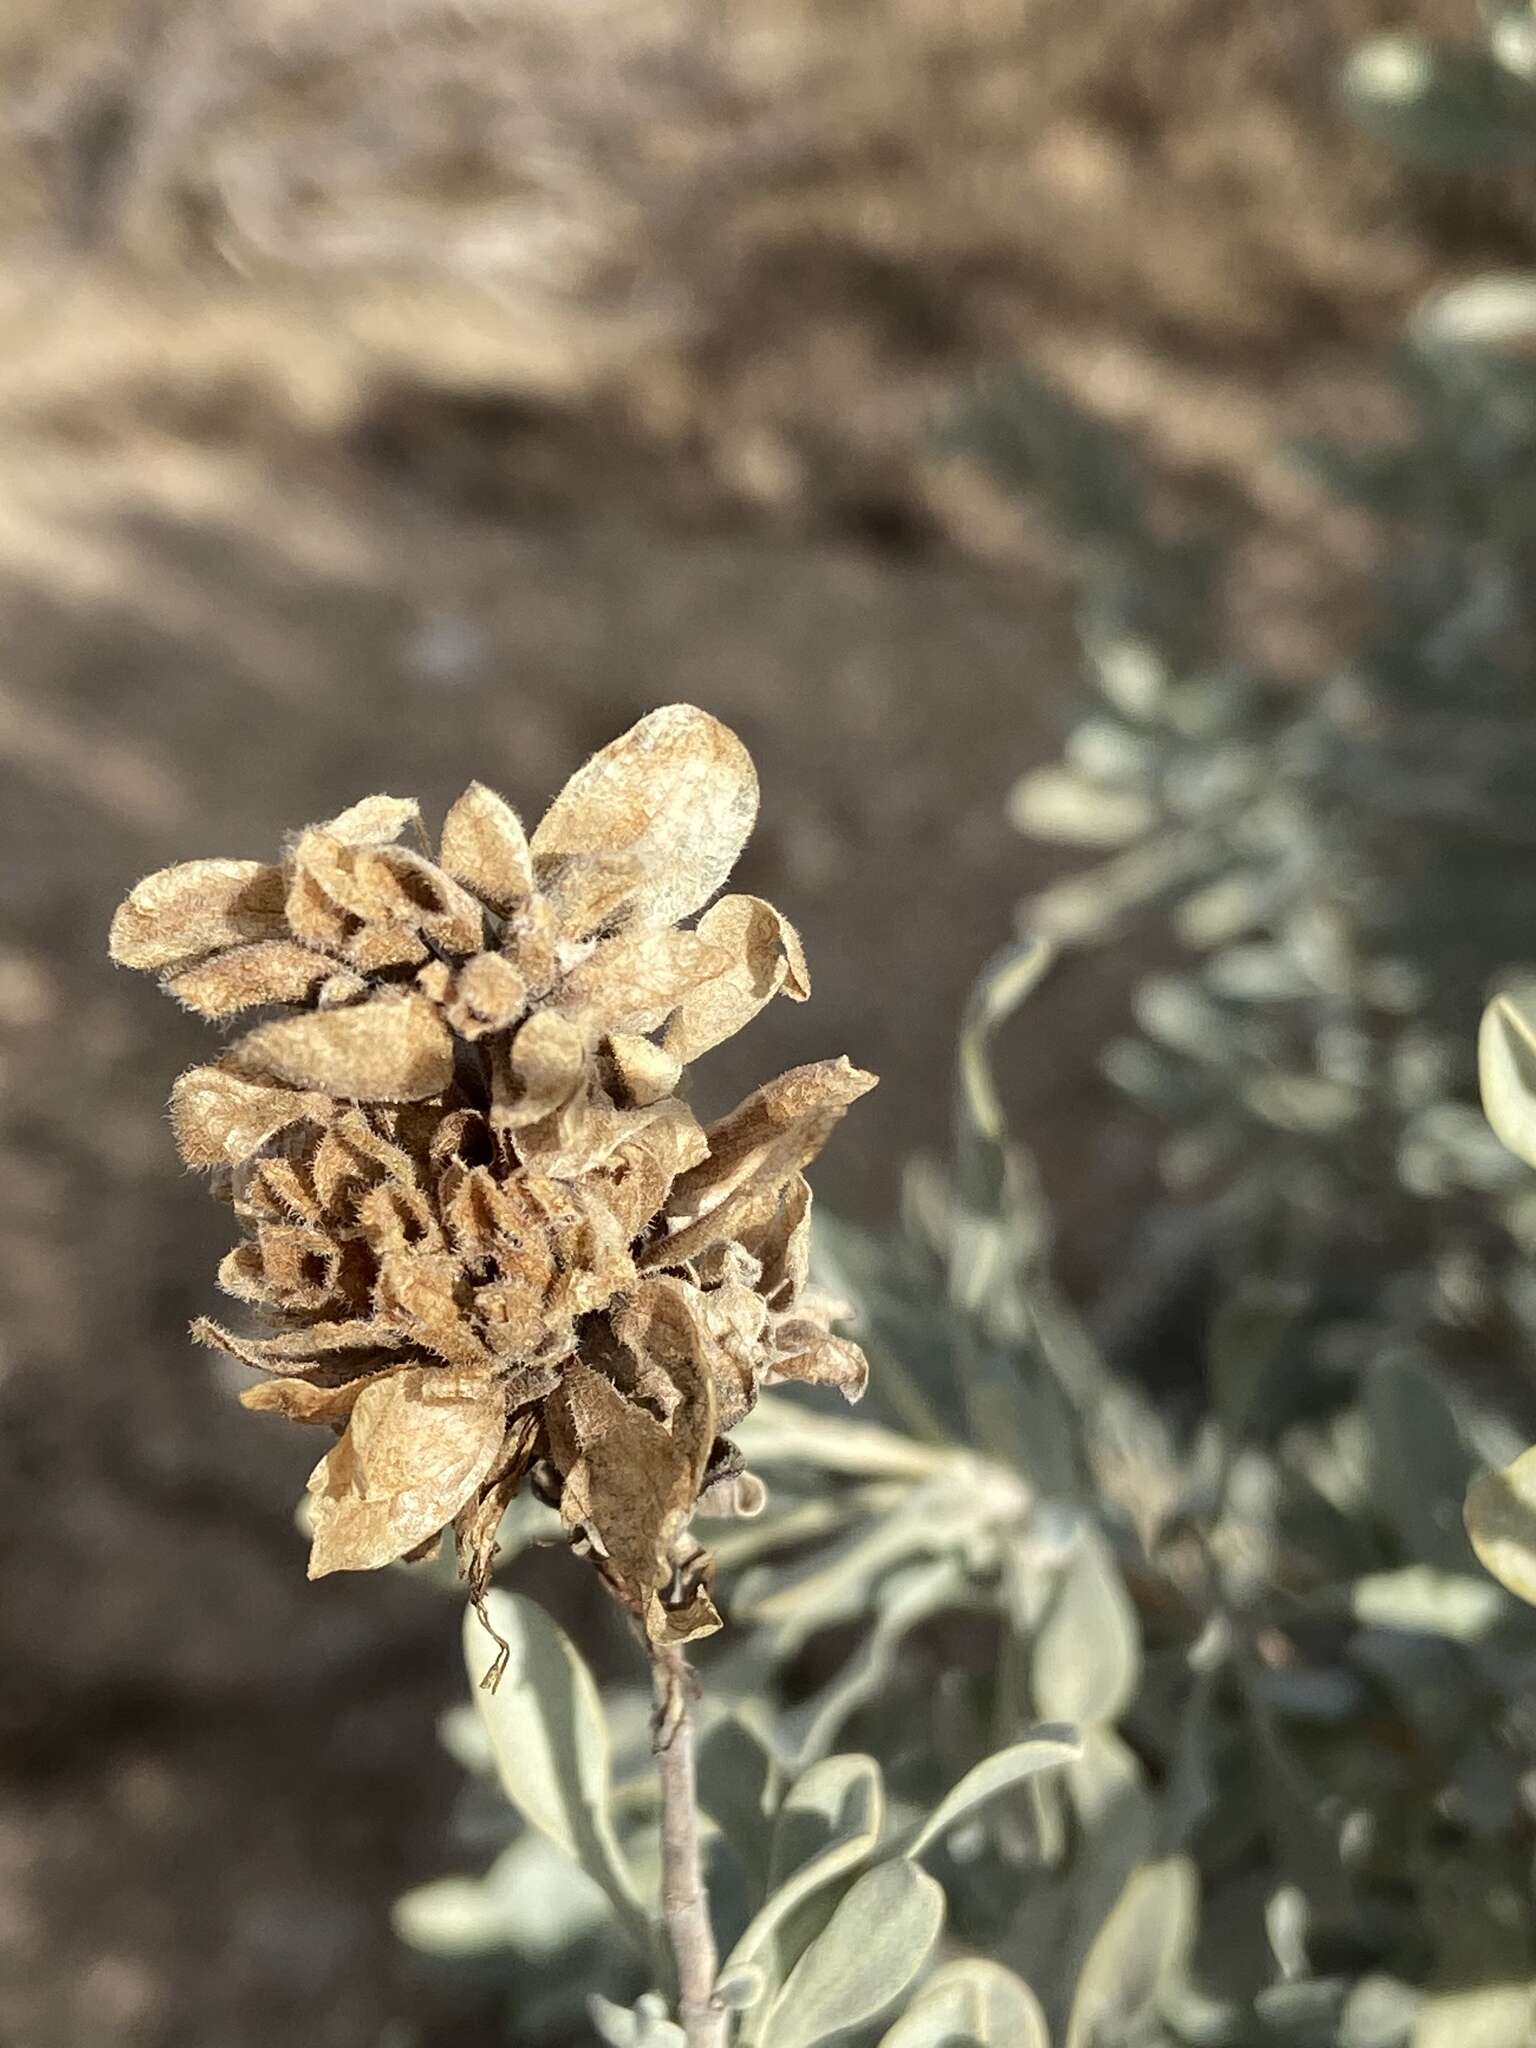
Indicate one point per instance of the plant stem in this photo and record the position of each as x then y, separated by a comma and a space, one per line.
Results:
684, 1901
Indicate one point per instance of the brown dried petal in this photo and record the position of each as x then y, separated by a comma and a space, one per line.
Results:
241, 1273
515, 1316
525, 1207
832, 1362
393, 1218
478, 1523
638, 1378
395, 1048
485, 993
373, 820
635, 981
641, 1072
408, 889
288, 1267
329, 863
762, 954
532, 940
591, 1250
303, 1401
341, 987
736, 1317
592, 892
761, 1144
297, 1348
781, 1244
630, 1482
183, 912
485, 847
515, 1310
466, 1200
641, 1171
274, 971
311, 914
583, 1136
696, 1616
548, 1063
418, 1444
220, 1117
372, 904
276, 1189
790, 1115
677, 793
417, 1294
670, 1324
436, 980
525, 1384
373, 948
728, 1263
460, 1137
395, 896
352, 1157
574, 1139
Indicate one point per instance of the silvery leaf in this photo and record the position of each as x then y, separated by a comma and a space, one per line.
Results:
545, 1721
739, 1784
1420, 1465
1506, 1067
1143, 1941
870, 1951
1086, 1657
906, 1599
1424, 1601
1047, 1748
829, 1824
741, 1988
531, 1899
644, 2026
1482, 2016
971, 2004
1501, 1521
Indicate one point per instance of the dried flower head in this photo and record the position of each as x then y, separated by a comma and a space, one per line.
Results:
486, 1237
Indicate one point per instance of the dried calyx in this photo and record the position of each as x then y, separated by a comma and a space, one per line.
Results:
487, 1237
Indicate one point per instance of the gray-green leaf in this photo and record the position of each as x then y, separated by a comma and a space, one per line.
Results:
1140, 1944
1501, 1521
1045, 1749
644, 2026
871, 1950
1484, 2016
1420, 1465
532, 1900
971, 2004
1087, 1651
1506, 1066
545, 1722
829, 1823
740, 1989
739, 1781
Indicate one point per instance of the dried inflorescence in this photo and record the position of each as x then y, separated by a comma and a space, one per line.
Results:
488, 1238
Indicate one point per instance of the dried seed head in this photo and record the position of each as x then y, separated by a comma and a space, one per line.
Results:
486, 1237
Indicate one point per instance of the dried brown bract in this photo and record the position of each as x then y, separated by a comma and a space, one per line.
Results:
484, 1233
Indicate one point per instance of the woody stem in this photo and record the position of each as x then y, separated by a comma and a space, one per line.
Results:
684, 1901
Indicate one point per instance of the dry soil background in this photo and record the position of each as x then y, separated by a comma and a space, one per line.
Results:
400, 394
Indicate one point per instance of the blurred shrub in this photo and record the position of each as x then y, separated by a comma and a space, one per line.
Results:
1298, 1805
1337, 876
